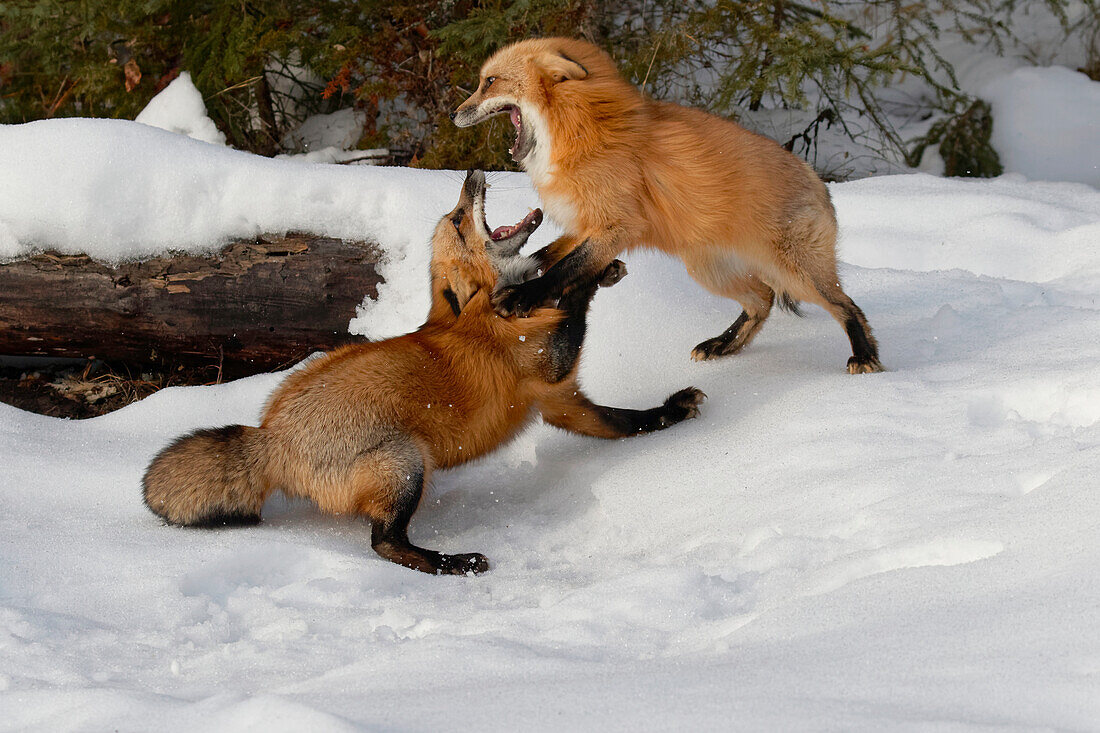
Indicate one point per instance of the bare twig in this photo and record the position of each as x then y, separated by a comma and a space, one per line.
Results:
651, 60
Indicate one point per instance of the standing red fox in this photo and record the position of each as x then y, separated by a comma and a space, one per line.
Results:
359, 430
617, 170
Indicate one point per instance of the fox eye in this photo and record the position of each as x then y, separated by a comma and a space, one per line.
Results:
457, 219
489, 81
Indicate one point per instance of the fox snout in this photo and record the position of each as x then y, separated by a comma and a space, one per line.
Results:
466, 114
472, 188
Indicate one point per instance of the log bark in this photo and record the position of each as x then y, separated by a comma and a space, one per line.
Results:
254, 306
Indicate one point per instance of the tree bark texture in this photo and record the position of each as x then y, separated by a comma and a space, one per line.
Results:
255, 306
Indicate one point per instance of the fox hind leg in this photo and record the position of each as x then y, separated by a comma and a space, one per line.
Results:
755, 297
390, 482
808, 267
815, 280
864, 359
805, 272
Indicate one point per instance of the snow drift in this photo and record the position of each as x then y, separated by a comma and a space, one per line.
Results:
817, 551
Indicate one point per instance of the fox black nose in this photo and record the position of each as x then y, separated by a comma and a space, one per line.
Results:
455, 112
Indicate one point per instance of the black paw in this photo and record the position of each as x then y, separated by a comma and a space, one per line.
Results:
470, 562
712, 349
612, 274
864, 365
682, 405
516, 300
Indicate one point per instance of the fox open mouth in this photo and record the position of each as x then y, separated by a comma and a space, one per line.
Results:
525, 139
526, 225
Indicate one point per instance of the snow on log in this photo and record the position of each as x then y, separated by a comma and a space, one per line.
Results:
254, 306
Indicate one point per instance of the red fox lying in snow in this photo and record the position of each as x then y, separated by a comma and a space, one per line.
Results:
360, 429
617, 170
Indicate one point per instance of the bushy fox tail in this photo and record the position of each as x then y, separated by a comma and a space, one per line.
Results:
211, 478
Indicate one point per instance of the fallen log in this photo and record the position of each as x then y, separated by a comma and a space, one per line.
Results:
254, 306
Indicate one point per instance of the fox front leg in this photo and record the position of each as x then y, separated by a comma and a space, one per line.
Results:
586, 263
571, 410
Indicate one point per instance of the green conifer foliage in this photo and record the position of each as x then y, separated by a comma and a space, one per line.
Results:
262, 65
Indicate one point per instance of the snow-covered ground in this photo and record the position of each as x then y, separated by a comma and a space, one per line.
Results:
908, 550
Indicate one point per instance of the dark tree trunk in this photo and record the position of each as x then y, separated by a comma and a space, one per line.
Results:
254, 306
269, 128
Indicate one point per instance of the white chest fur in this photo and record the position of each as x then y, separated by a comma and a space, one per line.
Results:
538, 163
561, 210
540, 168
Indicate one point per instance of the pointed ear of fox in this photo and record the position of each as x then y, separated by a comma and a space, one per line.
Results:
460, 290
562, 68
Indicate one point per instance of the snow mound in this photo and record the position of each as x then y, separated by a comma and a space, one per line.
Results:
1004, 228
1045, 124
909, 550
340, 129
179, 108
118, 190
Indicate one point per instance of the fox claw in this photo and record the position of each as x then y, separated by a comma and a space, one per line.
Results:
714, 348
684, 405
865, 365
469, 562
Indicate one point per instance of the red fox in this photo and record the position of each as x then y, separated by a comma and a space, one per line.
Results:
360, 429
617, 170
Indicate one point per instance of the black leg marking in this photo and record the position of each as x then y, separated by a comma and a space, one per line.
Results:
390, 537
861, 347
721, 345
680, 406
864, 359
521, 299
543, 258
564, 344
578, 414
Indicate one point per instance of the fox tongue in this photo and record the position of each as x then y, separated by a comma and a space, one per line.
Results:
534, 216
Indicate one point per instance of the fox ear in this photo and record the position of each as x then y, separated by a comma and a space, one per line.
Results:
562, 68
461, 290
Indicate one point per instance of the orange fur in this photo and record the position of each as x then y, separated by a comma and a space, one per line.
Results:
618, 171
360, 429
